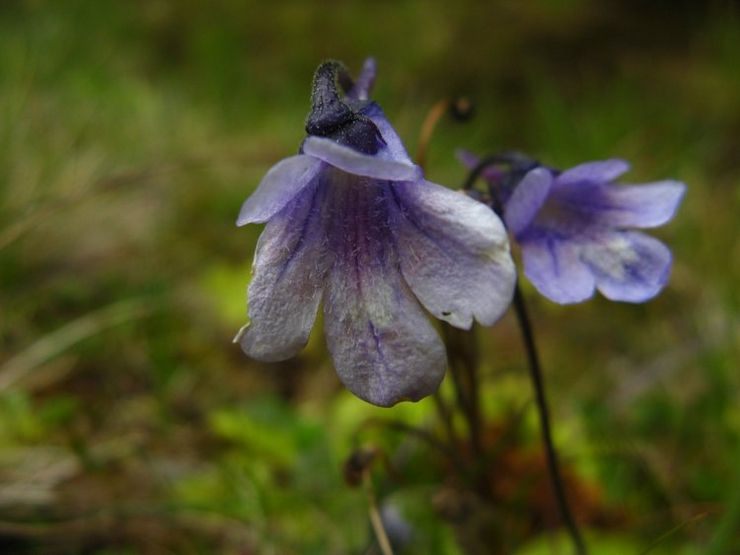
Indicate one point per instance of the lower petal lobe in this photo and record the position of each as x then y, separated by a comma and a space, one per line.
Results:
289, 268
628, 265
554, 267
384, 348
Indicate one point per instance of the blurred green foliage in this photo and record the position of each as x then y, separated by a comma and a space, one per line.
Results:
130, 133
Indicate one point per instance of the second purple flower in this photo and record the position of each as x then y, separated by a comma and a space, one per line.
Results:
575, 228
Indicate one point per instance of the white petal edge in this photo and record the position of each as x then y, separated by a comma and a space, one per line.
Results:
378, 166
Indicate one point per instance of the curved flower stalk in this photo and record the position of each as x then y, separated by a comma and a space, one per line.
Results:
352, 222
575, 229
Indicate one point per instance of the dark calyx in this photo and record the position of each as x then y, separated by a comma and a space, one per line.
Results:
511, 168
336, 117
519, 165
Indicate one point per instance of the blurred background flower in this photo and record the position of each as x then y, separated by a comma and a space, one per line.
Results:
130, 134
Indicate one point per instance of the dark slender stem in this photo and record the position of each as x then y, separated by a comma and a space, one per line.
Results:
480, 167
463, 368
535, 369
469, 364
463, 364
553, 468
446, 417
461, 395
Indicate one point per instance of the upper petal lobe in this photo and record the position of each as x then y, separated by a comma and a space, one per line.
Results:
283, 182
593, 172
454, 253
646, 205
527, 199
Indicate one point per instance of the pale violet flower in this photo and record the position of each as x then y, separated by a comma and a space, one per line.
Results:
575, 230
352, 224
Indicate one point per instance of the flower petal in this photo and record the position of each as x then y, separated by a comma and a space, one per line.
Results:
592, 172
380, 166
289, 268
383, 346
646, 205
461, 216
454, 253
281, 184
364, 82
628, 266
527, 198
556, 270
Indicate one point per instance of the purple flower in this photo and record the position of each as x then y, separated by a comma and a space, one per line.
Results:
352, 223
575, 231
